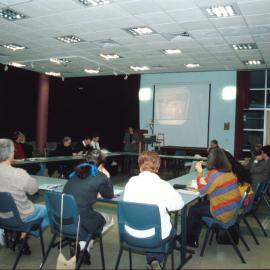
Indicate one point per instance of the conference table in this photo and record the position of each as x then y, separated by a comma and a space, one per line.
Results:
57, 184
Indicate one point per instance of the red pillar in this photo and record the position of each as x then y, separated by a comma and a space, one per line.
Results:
42, 112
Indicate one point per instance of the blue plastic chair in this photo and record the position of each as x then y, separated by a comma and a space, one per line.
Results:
142, 217
10, 220
213, 224
252, 207
70, 219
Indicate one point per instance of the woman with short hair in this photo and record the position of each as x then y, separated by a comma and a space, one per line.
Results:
224, 195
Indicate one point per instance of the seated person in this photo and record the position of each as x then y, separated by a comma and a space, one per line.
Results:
213, 144
131, 141
19, 183
82, 147
223, 201
90, 180
63, 149
95, 142
147, 187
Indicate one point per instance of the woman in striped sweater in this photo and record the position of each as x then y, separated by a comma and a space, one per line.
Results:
224, 196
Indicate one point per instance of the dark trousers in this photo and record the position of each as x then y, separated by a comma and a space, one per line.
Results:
194, 220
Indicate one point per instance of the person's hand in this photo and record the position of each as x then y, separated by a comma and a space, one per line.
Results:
198, 167
103, 170
99, 195
202, 181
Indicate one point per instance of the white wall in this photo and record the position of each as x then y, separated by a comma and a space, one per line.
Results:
220, 110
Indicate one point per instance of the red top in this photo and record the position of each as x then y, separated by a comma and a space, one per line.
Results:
19, 153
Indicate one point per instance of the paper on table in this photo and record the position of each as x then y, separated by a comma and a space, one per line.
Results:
117, 191
184, 191
50, 186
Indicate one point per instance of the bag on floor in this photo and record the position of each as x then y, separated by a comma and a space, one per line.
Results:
223, 239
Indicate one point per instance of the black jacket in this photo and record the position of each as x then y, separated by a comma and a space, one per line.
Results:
85, 193
80, 147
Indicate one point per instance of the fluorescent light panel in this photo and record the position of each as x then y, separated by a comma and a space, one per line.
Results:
221, 11
55, 74
244, 46
142, 68
59, 61
172, 51
13, 46
110, 56
192, 65
18, 65
140, 30
91, 71
93, 3
11, 15
69, 39
253, 62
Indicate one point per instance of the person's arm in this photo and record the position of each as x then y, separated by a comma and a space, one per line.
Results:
173, 199
106, 188
29, 183
207, 185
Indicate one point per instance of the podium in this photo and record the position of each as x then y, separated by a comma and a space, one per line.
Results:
148, 139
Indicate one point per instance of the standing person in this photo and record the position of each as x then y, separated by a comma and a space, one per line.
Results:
149, 188
83, 147
90, 180
95, 142
131, 141
224, 195
19, 183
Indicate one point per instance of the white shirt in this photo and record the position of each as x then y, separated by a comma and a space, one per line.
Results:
149, 188
95, 145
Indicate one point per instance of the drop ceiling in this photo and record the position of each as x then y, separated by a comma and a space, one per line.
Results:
103, 31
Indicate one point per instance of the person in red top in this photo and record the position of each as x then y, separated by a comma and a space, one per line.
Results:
18, 139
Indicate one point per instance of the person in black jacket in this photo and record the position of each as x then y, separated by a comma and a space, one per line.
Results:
90, 180
83, 147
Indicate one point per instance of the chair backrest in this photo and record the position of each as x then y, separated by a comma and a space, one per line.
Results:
9, 215
70, 217
239, 208
136, 218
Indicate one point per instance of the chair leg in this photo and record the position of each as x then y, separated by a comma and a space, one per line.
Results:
20, 251
130, 258
260, 224
244, 241
6, 238
79, 263
250, 230
172, 255
205, 241
41, 241
118, 258
211, 237
48, 251
164, 261
235, 247
266, 202
101, 252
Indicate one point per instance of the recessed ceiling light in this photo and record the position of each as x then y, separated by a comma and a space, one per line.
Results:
69, 39
91, 71
59, 61
110, 56
221, 11
177, 36
142, 68
18, 65
13, 46
106, 43
93, 3
253, 62
140, 31
172, 51
55, 74
192, 65
244, 46
11, 15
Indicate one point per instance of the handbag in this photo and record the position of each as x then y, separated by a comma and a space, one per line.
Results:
62, 262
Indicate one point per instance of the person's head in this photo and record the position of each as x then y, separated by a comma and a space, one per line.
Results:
218, 160
6, 150
213, 144
130, 130
149, 161
96, 157
95, 138
87, 140
66, 141
83, 171
266, 152
258, 155
18, 136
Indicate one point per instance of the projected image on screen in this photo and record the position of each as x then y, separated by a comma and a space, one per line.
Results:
181, 113
171, 108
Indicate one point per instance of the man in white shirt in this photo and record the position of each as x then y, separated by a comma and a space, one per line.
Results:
95, 142
149, 188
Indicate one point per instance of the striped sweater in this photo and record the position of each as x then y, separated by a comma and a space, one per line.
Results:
223, 192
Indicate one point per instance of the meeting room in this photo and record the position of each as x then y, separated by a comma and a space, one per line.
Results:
135, 134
